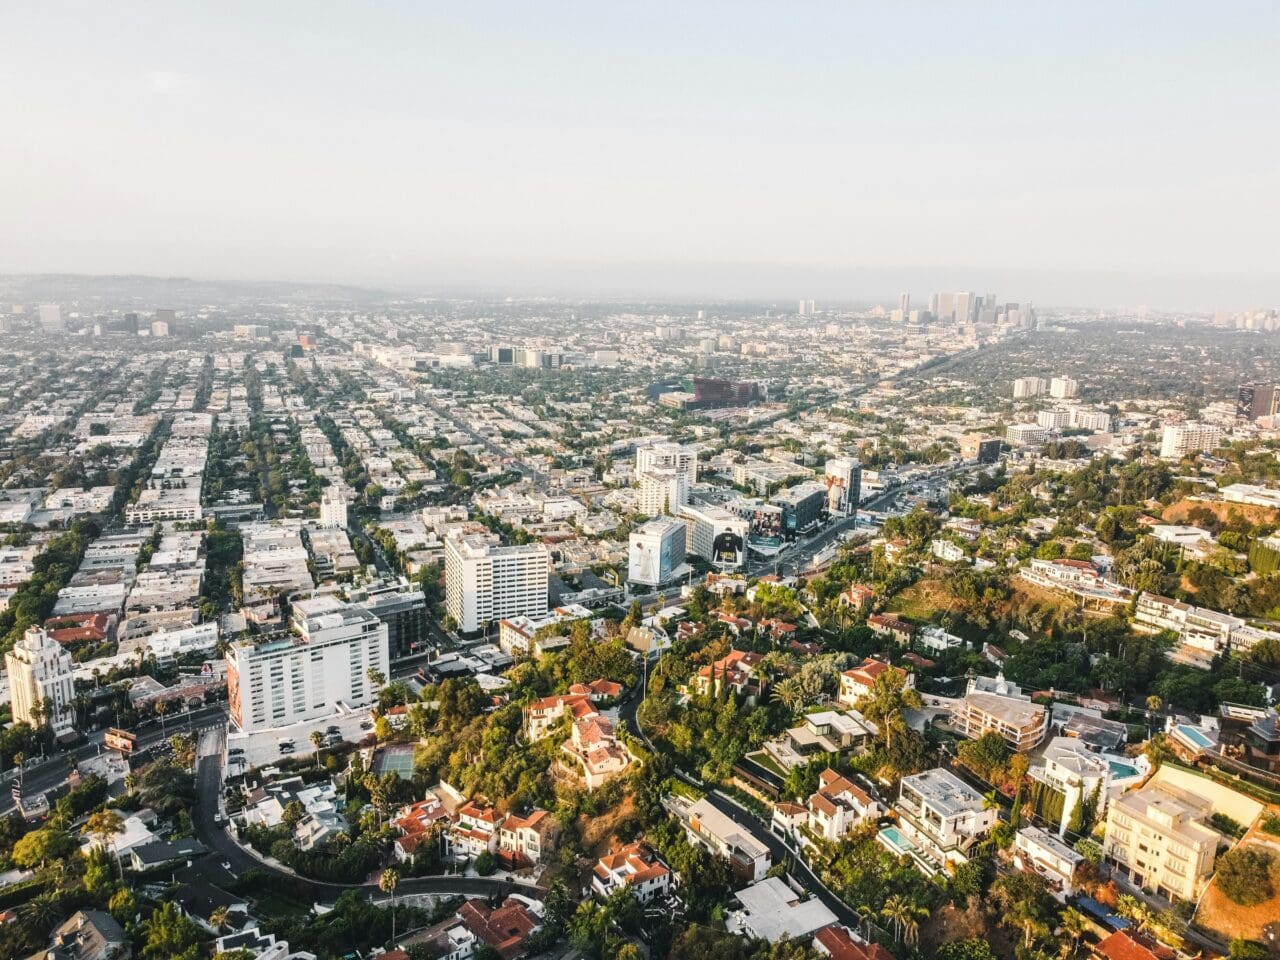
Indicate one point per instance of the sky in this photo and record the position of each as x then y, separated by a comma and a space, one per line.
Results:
1087, 154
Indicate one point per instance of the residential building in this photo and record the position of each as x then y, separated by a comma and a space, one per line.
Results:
1157, 836
662, 492
737, 668
403, 608
598, 754
887, 625
528, 840
484, 583
1063, 388
1026, 387
88, 934
1026, 434
1039, 852
475, 829
321, 667
840, 943
843, 479
838, 806
1183, 439
633, 867
942, 815
526, 636
333, 509
823, 732
1000, 706
857, 682
748, 858
772, 911
1076, 772
1252, 495
41, 682
656, 552
504, 928
542, 715
667, 455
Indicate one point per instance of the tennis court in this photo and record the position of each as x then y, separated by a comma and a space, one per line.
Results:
398, 759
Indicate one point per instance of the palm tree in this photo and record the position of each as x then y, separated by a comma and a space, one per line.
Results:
317, 741
103, 825
376, 677
1073, 925
218, 917
883, 706
387, 883
1154, 706
897, 910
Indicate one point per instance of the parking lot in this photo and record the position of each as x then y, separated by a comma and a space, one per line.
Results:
263, 748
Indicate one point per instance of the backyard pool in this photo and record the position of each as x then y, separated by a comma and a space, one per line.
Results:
1122, 771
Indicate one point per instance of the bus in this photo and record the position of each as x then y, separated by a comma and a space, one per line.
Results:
122, 741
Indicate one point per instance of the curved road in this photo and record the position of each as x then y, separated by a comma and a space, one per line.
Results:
225, 849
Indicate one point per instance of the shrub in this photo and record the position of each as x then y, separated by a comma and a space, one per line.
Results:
1244, 874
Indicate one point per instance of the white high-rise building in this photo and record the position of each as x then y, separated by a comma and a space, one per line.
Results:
904, 303
715, 534
485, 583
50, 318
1181, 439
1063, 388
662, 491
656, 552
318, 669
1054, 419
1083, 419
965, 304
1025, 387
40, 673
333, 509
667, 455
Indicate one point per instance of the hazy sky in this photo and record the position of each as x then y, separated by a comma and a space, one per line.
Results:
1071, 153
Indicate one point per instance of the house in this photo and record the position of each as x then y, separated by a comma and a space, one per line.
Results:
737, 669
476, 829
936, 640
160, 853
417, 823
839, 943
528, 840
634, 867
200, 900
823, 732
541, 715
886, 625
597, 751
597, 691
504, 928
946, 551
838, 806
705, 825
770, 910
87, 935
1040, 852
858, 596
1076, 772
263, 946
857, 682
942, 815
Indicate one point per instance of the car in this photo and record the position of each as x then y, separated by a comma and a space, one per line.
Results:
332, 730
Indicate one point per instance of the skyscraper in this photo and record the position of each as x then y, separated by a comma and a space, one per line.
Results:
965, 304
1254, 400
41, 685
904, 303
484, 583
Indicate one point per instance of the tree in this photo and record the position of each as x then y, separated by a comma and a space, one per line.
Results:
40, 846
169, 935
292, 814
884, 705
317, 741
387, 883
103, 825
485, 864
1244, 875
218, 917
972, 949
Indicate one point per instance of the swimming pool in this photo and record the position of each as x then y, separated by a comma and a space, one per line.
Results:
892, 838
1122, 771
1195, 736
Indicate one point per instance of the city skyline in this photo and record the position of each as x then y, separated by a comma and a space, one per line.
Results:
1112, 158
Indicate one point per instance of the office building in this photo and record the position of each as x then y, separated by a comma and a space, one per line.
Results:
802, 507
1026, 387
1255, 400
843, 478
1157, 837
319, 668
965, 307
715, 534
975, 446
1025, 434
904, 303
40, 673
485, 583
1063, 388
1184, 439
51, 318
656, 552
403, 608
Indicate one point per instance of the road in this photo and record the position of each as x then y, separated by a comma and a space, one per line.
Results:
225, 849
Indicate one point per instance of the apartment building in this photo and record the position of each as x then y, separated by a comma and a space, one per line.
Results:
662, 491
484, 583
996, 705
309, 673
528, 840
1157, 836
668, 455
1063, 388
942, 815
1179, 440
656, 551
1040, 852
1027, 387
715, 534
